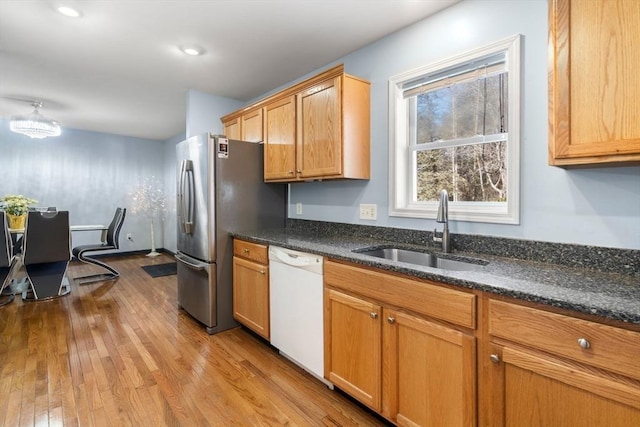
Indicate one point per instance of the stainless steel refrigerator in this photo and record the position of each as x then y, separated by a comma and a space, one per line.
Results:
220, 189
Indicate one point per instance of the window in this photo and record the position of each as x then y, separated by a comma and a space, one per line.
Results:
455, 125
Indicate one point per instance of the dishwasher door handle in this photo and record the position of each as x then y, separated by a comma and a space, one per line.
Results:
293, 259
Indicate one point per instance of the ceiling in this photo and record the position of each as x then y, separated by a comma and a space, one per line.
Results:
117, 69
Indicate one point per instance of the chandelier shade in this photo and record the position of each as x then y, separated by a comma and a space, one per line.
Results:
34, 125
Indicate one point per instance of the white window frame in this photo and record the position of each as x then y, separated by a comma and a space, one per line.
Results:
400, 153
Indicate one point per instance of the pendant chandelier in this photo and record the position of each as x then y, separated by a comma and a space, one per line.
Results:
34, 125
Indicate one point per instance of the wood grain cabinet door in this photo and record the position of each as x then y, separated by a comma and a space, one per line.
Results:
251, 295
252, 126
319, 150
353, 337
540, 390
429, 373
232, 128
594, 89
280, 140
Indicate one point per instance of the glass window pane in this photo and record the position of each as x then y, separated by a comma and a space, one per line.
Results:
471, 173
458, 111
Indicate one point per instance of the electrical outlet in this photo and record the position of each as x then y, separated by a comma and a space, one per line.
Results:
129, 236
369, 212
298, 208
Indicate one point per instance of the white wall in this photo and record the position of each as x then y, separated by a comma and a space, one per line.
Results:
204, 111
170, 186
87, 173
599, 206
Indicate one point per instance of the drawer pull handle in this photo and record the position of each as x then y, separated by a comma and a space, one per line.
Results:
495, 358
391, 320
373, 315
584, 343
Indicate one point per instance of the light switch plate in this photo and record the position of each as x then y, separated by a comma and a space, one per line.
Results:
369, 212
298, 208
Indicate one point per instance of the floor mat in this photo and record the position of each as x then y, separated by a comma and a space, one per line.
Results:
159, 270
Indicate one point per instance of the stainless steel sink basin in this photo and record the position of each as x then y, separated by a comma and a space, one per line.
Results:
424, 259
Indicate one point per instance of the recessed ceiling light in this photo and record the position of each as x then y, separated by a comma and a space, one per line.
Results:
192, 50
69, 11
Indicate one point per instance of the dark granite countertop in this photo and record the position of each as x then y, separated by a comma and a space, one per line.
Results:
611, 295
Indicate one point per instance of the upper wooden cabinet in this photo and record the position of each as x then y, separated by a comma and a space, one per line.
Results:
232, 128
317, 129
594, 89
246, 125
280, 132
252, 126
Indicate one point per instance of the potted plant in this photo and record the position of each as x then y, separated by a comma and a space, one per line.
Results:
16, 207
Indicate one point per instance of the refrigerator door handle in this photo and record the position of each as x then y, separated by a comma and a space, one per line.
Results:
192, 195
189, 264
181, 212
186, 196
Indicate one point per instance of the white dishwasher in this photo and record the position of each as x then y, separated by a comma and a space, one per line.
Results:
296, 308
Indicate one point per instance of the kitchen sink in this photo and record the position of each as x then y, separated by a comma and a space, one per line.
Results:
424, 258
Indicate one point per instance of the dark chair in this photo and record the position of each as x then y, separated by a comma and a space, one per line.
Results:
7, 260
46, 253
111, 242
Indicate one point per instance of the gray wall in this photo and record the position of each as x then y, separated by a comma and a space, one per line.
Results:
87, 173
203, 115
597, 206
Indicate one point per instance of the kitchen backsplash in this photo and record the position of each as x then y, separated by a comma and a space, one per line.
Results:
614, 260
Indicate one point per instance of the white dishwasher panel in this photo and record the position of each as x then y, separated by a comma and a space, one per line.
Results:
296, 308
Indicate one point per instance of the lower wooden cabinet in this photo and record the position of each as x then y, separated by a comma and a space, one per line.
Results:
353, 346
548, 369
251, 286
413, 370
429, 375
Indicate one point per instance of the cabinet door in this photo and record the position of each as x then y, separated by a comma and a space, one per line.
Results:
594, 89
353, 346
252, 126
232, 128
539, 390
429, 373
280, 140
251, 295
320, 130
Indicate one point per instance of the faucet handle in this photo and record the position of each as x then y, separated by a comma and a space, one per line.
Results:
435, 236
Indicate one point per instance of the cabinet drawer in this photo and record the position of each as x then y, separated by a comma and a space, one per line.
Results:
607, 347
252, 251
429, 299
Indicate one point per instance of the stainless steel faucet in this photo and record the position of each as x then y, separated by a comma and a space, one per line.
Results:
443, 218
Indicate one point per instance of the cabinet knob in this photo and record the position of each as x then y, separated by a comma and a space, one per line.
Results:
391, 320
245, 250
290, 172
584, 343
495, 358
373, 315
262, 272
299, 171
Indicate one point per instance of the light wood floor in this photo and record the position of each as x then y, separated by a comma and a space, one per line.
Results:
121, 353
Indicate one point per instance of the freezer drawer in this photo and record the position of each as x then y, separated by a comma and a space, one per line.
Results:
197, 290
